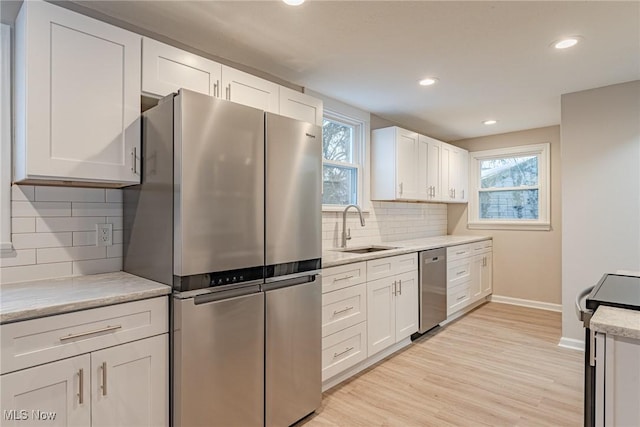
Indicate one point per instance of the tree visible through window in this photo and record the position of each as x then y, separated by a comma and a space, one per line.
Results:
340, 150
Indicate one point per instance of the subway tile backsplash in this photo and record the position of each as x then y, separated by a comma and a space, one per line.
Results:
54, 233
386, 222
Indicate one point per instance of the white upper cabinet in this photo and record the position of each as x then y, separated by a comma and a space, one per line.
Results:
165, 69
455, 174
77, 98
300, 106
250, 90
394, 162
409, 166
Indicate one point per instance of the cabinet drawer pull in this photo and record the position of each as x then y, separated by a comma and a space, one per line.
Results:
104, 378
460, 272
337, 279
461, 252
344, 310
347, 350
96, 331
80, 386
461, 297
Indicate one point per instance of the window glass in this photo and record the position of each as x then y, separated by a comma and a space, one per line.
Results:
509, 172
340, 185
337, 141
522, 204
341, 171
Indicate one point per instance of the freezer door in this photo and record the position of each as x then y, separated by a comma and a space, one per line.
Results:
293, 383
218, 363
293, 191
219, 185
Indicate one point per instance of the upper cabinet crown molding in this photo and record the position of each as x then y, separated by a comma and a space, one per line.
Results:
77, 99
412, 167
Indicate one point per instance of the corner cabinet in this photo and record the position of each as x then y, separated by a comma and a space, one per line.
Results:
407, 166
77, 99
99, 367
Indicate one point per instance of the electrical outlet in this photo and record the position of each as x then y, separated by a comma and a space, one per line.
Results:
104, 234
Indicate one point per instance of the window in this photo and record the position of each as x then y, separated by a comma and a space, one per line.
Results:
342, 150
510, 188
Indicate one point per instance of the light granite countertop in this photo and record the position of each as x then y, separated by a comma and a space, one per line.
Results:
28, 300
332, 258
616, 321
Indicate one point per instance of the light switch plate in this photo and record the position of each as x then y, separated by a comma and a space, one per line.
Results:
104, 234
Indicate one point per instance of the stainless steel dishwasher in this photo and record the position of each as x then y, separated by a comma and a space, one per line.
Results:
433, 288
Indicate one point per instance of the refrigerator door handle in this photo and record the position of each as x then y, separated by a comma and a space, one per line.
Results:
299, 279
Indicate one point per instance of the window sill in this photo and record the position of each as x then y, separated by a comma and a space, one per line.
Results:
510, 225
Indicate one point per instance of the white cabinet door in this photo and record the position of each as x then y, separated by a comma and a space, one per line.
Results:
165, 69
487, 274
77, 98
53, 394
423, 192
406, 301
434, 169
300, 106
461, 177
446, 182
407, 147
381, 315
250, 90
477, 267
130, 384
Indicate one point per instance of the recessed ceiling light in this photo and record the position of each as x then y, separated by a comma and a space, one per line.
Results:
489, 122
566, 42
428, 81
293, 2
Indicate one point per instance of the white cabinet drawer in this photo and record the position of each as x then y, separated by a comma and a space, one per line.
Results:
458, 272
343, 350
343, 308
38, 341
458, 297
481, 247
458, 252
390, 266
342, 276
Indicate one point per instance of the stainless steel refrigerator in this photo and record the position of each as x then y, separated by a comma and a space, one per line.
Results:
229, 214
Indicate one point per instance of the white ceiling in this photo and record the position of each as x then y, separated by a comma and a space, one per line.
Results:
493, 59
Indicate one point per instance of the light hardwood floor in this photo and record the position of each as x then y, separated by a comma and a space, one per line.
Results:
499, 365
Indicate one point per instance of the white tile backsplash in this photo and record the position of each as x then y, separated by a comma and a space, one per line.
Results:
386, 222
53, 233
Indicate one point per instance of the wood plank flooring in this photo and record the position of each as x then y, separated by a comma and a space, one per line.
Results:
499, 365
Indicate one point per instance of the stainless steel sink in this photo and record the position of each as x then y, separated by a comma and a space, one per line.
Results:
366, 249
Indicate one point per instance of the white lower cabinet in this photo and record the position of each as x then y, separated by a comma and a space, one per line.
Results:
58, 391
617, 394
469, 274
343, 350
112, 385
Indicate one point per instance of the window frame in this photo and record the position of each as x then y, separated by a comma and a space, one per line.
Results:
5, 139
542, 152
358, 154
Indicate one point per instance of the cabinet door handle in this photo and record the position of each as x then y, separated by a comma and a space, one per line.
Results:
395, 287
400, 286
228, 90
104, 378
401, 188
80, 386
95, 331
344, 310
462, 194
337, 279
134, 160
347, 350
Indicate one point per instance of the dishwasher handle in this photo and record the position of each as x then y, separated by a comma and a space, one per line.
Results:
434, 259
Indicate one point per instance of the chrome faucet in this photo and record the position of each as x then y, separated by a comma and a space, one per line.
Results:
346, 233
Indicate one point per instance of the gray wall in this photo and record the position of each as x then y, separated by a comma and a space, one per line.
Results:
600, 190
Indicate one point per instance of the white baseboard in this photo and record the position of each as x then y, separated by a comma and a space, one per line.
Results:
571, 343
527, 303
